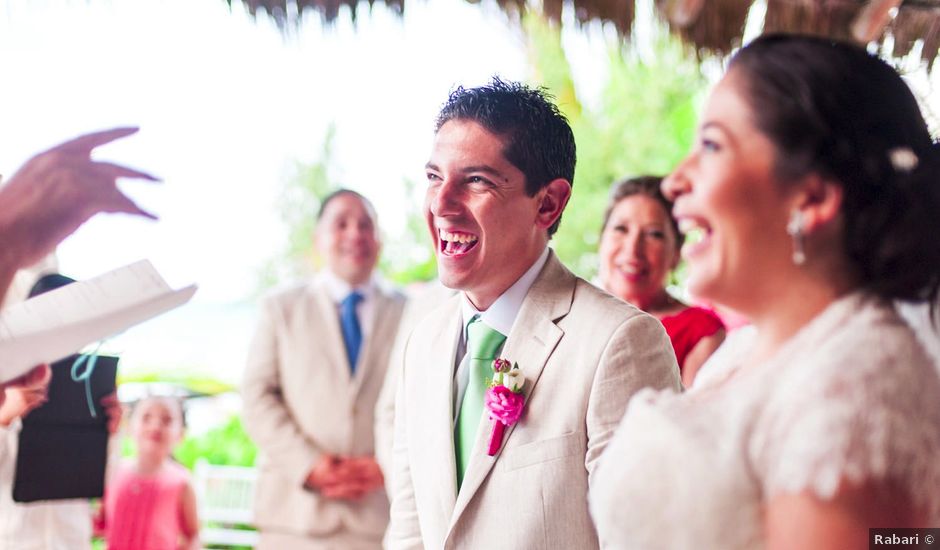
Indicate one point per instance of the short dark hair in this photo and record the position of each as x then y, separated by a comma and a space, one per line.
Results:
340, 192
536, 136
834, 109
648, 186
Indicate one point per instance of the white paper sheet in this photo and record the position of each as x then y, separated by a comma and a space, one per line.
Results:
60, 322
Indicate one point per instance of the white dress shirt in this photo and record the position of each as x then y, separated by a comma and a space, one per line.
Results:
500, 316
338, 289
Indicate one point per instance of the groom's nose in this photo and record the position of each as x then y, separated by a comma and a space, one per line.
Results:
445, 199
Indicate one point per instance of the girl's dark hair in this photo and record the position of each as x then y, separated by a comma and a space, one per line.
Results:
649, 186
833, 109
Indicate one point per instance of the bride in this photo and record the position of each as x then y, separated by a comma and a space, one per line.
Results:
813, 186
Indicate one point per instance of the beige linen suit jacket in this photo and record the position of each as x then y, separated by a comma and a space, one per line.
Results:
301, 400
583, 354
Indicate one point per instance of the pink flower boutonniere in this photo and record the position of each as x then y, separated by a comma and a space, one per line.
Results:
504, 400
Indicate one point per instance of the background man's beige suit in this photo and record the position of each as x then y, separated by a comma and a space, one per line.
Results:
301, 400
583, 353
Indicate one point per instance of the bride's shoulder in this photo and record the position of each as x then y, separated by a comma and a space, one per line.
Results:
862, 404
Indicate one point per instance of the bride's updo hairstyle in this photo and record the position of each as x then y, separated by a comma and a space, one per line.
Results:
833, 109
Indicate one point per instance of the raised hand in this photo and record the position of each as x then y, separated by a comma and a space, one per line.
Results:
56, 191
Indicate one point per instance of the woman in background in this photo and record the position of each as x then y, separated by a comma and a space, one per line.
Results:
814, 181
640, 244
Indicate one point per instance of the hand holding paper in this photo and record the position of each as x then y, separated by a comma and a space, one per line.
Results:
24, 394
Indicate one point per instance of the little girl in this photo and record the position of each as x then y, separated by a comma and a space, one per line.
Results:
149, 503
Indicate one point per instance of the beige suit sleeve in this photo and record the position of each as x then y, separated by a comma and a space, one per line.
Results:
638, 355
266, 416
385, 410
404, 530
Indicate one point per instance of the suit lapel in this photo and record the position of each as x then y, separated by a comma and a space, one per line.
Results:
377, 338
328, 335
439, 384
531, 341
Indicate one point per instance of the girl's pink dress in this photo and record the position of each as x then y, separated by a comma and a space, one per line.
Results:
144, 512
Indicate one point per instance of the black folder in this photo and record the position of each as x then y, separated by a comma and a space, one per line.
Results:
63, 450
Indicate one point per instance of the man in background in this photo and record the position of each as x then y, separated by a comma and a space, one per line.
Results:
314, 372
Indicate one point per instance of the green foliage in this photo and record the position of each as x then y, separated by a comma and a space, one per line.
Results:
644, 124
409, 257
182, 377
406, 257
226, 445
298, 205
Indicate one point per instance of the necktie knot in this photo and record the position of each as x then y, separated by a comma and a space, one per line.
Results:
351, 300
482, 341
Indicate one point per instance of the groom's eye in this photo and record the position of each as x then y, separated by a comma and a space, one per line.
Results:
479, 180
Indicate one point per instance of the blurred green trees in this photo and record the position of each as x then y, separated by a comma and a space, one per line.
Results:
297, 205
643, 123
224, 445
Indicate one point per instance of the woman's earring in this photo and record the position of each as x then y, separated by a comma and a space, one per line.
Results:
795, 230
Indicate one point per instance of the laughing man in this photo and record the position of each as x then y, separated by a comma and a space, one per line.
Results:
499, 177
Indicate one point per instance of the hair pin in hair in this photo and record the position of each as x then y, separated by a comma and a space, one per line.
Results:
903, 159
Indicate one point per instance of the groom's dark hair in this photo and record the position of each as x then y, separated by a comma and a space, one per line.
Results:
536, 136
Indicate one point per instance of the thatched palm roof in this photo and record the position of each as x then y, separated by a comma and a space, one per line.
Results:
711, 25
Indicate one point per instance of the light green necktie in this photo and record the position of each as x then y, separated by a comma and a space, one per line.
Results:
482, 345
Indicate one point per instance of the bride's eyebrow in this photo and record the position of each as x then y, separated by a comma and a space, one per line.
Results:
719, 127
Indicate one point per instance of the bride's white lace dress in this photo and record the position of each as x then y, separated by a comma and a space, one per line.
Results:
852, 395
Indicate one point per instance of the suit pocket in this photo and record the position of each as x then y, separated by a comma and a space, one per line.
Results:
545, 450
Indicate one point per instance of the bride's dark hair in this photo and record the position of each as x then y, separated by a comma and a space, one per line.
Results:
836, 110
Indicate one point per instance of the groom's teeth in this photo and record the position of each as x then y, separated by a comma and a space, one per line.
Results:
457, 238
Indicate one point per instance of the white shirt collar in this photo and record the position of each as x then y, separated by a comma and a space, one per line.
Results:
502, 314
338, 289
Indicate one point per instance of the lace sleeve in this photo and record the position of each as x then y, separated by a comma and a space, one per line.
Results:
868, 412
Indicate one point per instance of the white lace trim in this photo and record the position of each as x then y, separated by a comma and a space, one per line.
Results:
867, 409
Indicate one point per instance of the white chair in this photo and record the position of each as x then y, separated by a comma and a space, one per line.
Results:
225, 497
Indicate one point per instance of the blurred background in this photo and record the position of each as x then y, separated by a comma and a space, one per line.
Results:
250, 111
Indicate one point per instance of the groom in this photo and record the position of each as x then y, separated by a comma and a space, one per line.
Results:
499, 178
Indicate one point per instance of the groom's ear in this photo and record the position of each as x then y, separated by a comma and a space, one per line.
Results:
552, 200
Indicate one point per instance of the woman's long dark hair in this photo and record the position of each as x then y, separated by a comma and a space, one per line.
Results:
834, 109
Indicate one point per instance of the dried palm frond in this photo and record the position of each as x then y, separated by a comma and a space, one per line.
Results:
714, 26
717, 27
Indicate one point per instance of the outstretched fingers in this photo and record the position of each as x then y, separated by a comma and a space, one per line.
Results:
105, 174
84, 144
121, 203
111, 170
